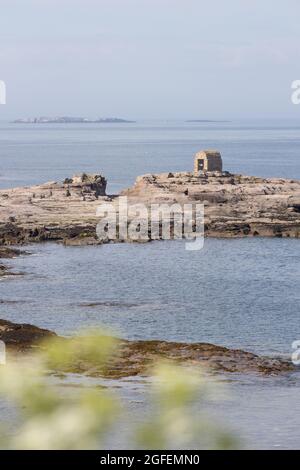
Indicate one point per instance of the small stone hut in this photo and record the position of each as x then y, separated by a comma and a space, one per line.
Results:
207, 160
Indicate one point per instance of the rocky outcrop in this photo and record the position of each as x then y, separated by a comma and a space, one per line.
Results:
51, 211
3, 270
136, 357
22, 337
8, 253
235, 206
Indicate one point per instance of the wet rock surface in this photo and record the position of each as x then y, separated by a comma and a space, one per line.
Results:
3, 270
136, 357
8, 253
22, 337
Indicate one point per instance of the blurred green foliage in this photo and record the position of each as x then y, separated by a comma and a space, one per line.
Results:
51, 419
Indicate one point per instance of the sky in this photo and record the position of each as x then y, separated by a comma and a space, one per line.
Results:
150, 59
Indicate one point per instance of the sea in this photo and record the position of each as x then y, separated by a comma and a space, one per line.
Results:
239, 293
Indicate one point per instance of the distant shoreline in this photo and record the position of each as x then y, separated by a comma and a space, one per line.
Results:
71, 120
204, 121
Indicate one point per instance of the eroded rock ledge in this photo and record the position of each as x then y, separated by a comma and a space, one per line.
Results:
8, 253
136, 357
20, 337
235, 206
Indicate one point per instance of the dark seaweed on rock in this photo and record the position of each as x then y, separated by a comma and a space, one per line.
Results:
22, 337
134, 358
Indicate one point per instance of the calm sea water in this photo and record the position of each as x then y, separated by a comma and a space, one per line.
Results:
33, 153
239, 293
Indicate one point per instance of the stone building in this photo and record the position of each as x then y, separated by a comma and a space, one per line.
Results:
207, 160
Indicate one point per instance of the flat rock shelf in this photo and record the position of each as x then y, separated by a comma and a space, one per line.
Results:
134, 358
235, 206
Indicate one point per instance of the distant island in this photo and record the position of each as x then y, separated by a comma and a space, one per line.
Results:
203, 120
70, 120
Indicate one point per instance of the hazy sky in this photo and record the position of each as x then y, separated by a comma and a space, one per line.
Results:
150, 58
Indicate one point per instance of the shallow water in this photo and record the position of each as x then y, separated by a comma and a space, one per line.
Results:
239, 293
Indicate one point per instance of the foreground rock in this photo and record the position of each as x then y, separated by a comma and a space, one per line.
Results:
235, 206
135, 357
22, 337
